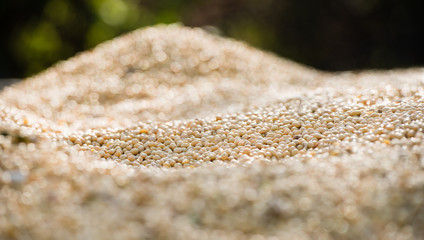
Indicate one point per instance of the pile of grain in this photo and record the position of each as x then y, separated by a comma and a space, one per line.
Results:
172, 133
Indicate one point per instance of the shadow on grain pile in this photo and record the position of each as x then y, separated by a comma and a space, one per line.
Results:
171, 133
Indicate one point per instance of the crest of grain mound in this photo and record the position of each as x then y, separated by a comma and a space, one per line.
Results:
160, 73
171, 133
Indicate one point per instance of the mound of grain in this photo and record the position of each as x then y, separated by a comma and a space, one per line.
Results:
172, 133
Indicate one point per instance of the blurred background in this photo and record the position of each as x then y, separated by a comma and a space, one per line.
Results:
326, 34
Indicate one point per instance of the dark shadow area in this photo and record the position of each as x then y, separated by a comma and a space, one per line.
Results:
7, 82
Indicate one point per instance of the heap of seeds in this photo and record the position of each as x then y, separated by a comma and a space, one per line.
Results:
312, 126
172, 133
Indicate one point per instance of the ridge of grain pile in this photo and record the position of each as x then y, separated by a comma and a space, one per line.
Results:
172, 133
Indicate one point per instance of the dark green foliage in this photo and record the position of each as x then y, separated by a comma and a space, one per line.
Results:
327, 34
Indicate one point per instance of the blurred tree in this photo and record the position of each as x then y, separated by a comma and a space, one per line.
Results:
327, 34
